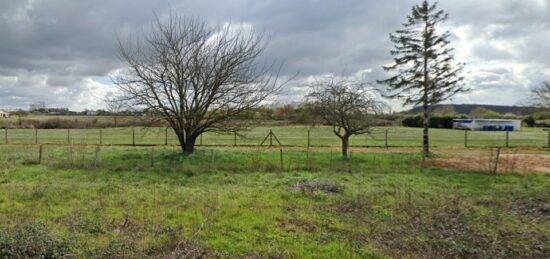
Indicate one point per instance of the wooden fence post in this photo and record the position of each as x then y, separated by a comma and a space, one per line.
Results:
166, 136
200, 140
96, 161
281, 158
40, 154
548, 145
507, 138
6, 136
153, 156
496, 161
211, 162
71, 154
386, 139
100, 136
308, 138
68, 136
465, 138
350, 162
133, 136
270, 138
35, 136
330, 162
235, 139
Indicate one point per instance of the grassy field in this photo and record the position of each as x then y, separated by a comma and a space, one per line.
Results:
143, 202
288, 135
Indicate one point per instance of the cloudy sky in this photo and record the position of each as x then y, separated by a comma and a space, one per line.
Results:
63, 52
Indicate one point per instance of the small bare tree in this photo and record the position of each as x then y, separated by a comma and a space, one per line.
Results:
347, 105
114, 107
197, 77
541, 94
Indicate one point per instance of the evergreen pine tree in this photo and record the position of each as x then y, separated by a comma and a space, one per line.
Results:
426, 73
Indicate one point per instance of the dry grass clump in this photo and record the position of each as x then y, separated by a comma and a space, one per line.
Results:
317, 186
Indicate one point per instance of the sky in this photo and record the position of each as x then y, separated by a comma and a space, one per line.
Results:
64, 52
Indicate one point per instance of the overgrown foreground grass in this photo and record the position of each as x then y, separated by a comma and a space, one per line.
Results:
238, 203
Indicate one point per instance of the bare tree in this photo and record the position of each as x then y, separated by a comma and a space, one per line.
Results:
347, 105
541, 94
197, 77
114, 107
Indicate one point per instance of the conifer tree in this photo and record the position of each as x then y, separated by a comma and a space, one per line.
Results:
425, 72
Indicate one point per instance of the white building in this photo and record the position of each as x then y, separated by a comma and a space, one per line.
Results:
4, 114
487, 124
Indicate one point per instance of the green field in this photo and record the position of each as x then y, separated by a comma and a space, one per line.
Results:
288, 136
143, 202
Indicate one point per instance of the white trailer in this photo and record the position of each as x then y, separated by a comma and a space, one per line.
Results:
487, 124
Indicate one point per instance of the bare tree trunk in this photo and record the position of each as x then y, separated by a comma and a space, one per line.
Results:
189, 146
345, 144
182, 140
425, 135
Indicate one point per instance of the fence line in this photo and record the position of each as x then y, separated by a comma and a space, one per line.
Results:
388, 137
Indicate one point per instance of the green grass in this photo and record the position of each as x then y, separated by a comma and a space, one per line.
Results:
233, 202
288, 135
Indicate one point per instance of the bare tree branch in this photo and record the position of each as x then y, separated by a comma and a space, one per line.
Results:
347, 105
195, 76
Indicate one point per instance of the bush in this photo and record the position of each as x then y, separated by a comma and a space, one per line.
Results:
445, 122
541, 115
529, 121
415, 121
32, 241
543, 124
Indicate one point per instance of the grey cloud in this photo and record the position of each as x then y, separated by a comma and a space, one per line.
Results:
53, 46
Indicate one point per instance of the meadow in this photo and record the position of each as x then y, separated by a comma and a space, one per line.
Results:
287, 135
153, 202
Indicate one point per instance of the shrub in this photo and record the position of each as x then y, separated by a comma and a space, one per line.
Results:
415, 121
32, 241
529, 121
445, 122
542, 123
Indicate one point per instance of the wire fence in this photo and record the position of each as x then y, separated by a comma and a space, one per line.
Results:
278, 136
169, 159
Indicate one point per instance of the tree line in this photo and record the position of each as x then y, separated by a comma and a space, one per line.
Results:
200, 78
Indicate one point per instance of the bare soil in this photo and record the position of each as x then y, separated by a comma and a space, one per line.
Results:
508, 162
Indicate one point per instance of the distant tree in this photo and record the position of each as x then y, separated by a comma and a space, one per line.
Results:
114, 107
347, 105
482, 112
426, 71
541, 94
199, 78
445, 110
